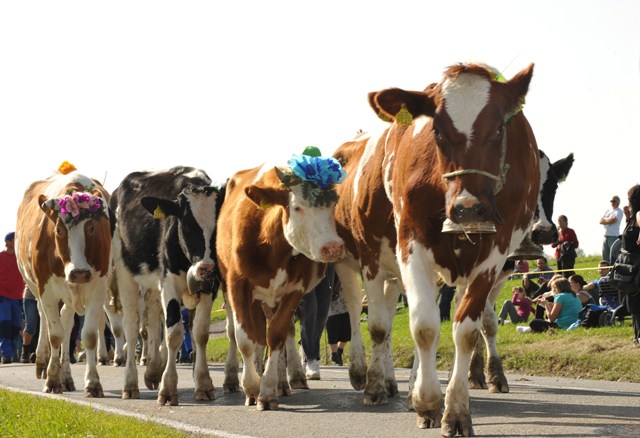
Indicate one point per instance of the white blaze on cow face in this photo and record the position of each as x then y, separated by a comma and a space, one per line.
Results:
312, 230
465, 96
76, 240
203, 209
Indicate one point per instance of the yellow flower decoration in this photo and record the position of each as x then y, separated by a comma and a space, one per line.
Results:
404, 117
159, 213
66, 168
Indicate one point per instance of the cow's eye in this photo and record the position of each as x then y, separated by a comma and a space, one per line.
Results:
91, 228
436, 133
297, 209
500, 132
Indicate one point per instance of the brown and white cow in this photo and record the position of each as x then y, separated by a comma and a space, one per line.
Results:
63, 248
275, 235
459, 157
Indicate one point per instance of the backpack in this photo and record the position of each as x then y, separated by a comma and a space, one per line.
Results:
625, 273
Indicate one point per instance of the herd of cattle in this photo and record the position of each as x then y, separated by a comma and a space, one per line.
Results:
450, 189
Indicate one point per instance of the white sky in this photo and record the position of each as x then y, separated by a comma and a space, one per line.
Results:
119, 86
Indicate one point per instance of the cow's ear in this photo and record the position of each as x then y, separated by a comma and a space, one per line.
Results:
46, 205
160, 208
265, 197
517, 88
402, 106
563, 166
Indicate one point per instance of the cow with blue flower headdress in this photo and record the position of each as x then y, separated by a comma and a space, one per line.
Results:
276, 232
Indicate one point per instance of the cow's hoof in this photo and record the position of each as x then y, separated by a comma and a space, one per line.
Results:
119, 361
392, 388
41, 370
204, 394
376, 396
172, 399
103, 361
429, 419
358, 380
250, 401
151, 384
299, 383
456, 424
267, 404
130, 394
94, 391
477, 381
284, 389
69, 386
53, 388
499, 385
231, 385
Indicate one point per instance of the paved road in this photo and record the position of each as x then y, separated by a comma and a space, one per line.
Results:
535, 407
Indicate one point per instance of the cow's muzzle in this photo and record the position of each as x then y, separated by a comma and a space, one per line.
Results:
79, 276
332, 252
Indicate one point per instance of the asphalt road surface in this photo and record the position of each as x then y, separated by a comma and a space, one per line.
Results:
535, 407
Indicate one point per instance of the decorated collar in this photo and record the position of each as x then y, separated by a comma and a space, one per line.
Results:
317, 175
76, 206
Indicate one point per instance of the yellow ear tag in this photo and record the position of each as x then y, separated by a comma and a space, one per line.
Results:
158, 213
264, 205
404, 117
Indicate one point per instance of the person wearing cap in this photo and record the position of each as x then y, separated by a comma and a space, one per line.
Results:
11, 289
611, 219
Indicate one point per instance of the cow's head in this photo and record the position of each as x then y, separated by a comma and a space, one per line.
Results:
308, 198
195, 211
544, 230
82, 233
470, 108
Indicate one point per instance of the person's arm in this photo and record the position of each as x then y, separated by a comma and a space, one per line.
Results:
574, 239
553, 310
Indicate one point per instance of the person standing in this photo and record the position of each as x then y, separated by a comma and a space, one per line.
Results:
338, 324
631, 244
611, 219
565, 247
11, 289
314, 310
31, 327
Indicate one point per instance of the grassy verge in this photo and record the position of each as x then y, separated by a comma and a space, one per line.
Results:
598, 353
64, 419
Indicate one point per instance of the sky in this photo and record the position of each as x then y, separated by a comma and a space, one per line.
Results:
121, 86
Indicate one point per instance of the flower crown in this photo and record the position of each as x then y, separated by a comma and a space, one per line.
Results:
77, 206
317, 175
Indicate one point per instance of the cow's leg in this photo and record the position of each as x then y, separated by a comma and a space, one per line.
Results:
231, 382
297, 377
375, 392
250, 377
495, 373
93, 328
103, 353
391, 294
129, 294
353, 300
115, 322
55, 331
154, 320
204, 389
174, 337
67, 318
277, 332
424, 316
466, 330
283, 388
43, 349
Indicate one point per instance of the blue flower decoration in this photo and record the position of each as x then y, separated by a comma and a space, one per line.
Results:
323, 172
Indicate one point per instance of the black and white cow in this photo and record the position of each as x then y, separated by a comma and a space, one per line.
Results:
163, 244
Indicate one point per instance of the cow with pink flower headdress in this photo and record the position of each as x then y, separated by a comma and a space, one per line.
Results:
63, 248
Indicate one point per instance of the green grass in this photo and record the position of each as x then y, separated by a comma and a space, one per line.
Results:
604, 353
58, 418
